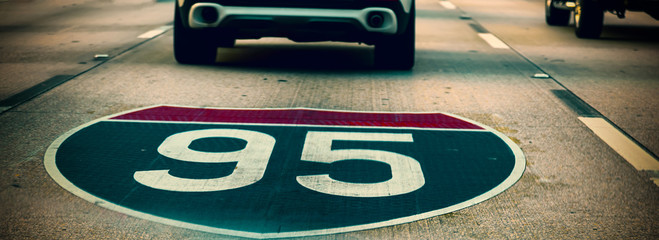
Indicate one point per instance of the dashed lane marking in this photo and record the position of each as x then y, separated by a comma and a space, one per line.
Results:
155, 32
493, 41
34, 91
447, 5
625, 147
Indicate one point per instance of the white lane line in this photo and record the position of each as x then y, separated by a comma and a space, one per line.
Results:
625, 147
493, 41
154, 32
447, 5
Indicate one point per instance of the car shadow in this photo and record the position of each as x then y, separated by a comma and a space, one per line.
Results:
630, 33
298, 56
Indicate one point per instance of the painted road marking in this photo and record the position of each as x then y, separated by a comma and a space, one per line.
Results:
155, 32
447, 5
253, 167
625, 147
493, 41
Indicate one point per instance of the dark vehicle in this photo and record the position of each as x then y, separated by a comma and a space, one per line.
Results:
200, 26
589, 14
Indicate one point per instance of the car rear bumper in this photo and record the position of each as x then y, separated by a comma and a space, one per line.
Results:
212, 15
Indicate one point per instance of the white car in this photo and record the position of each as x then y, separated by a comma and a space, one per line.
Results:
200, 26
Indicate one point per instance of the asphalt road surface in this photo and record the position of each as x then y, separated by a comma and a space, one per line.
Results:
583, 112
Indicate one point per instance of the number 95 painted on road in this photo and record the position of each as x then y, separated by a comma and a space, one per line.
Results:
280, 173
252, 162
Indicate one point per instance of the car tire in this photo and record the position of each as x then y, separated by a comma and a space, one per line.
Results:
589, 19
555, 16
192, 46
397, 52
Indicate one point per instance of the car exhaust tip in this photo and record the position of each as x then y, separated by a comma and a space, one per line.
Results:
375, 19
208, 15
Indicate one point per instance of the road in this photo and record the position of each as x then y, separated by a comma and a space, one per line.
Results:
575, 185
